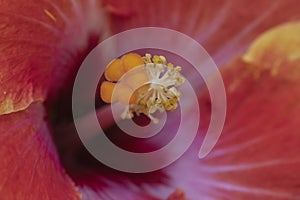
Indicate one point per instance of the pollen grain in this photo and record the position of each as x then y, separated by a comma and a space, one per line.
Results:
50, 15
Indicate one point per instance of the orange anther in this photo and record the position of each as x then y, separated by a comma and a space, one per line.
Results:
114, 70
137, 79
131, 61
106, 91
125, 94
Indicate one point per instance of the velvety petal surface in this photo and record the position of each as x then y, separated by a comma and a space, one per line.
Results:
224, 28
257, 156
30, 167
240, 167
39, 48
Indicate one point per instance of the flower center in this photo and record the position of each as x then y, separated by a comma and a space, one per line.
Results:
144, 85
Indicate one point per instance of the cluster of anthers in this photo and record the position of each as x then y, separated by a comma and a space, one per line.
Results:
144, 84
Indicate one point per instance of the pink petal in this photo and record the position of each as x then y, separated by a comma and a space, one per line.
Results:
30, 168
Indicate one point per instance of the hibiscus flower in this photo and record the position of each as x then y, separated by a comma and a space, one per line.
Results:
43, 44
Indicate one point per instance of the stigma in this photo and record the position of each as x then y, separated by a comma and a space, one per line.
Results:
144, 85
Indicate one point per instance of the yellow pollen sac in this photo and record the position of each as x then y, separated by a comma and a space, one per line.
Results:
170, 104
144, 85
159, 60
106, 91
114, 70
131, 61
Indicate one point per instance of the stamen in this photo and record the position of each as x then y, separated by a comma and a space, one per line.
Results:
145, 91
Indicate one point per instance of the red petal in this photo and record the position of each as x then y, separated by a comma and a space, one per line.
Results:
257, 156
30, 168
37, 41
225, 29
